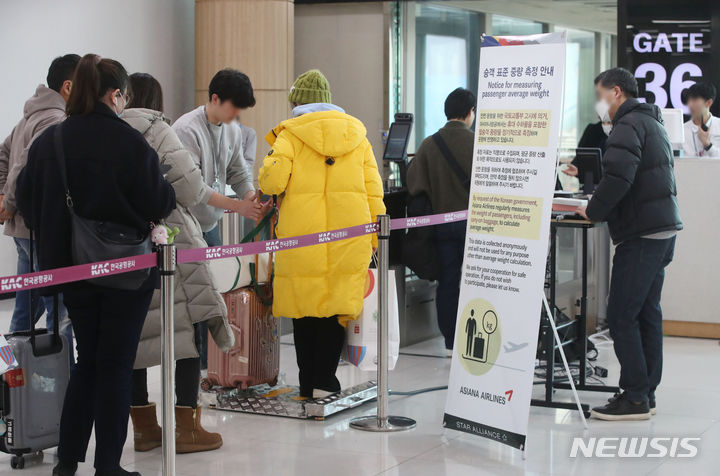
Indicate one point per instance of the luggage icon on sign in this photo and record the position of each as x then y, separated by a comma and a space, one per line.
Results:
478, 340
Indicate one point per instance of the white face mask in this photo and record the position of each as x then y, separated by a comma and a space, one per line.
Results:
607, 128
602, 108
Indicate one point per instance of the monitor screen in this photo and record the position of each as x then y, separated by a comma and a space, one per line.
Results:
675, 127
397, 141
588, 160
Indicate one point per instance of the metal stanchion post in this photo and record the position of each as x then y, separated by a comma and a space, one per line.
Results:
382, 422
166, 265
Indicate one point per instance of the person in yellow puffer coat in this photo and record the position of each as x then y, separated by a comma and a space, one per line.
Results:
323, 166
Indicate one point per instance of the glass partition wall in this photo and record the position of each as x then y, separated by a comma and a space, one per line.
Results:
441, 46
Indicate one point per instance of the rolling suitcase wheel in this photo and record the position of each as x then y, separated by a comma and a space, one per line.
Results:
17, 462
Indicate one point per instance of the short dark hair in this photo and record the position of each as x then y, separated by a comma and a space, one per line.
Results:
231, 84
459, 103
146, 92
621, 78
702, 90
61, 69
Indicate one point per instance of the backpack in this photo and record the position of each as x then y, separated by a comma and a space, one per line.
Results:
418, 251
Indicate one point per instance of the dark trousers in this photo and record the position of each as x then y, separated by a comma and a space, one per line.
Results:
634, 313
187, 384
450, 246
107, 325
212, 238
318, 344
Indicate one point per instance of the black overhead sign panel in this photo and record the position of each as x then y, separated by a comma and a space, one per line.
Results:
669, 45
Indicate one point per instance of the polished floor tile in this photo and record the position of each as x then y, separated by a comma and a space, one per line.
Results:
260, 445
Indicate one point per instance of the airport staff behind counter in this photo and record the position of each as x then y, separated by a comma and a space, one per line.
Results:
702, 131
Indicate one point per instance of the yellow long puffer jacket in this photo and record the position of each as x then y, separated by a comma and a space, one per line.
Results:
325, 166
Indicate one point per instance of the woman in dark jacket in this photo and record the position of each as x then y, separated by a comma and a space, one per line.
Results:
114, 176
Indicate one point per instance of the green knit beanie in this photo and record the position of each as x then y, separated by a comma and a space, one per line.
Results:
310, 87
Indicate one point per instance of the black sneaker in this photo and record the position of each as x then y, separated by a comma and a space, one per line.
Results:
620, 408
65, 469
117, 472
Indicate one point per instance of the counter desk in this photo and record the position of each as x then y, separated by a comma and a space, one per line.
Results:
692, 280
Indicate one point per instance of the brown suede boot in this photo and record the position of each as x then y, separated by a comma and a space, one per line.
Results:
148, 434
191, 437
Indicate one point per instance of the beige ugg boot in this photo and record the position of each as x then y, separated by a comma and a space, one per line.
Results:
191, 437
148, 434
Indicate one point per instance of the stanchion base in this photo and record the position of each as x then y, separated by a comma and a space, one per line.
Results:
392, 424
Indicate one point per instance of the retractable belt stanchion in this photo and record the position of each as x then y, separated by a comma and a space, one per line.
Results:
382, 422
166, 265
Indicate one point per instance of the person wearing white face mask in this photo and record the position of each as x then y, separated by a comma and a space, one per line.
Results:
113, 176
702, 131
637, 197
594, 136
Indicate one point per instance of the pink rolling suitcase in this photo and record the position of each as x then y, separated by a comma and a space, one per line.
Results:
255, 358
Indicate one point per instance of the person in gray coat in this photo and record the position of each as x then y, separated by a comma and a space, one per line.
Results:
45, 108
196, 300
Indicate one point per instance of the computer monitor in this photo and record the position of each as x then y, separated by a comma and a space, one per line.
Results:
588, 161
398, 137
673, 122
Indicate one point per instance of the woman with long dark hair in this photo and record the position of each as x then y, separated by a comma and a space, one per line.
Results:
196, 299
114, 177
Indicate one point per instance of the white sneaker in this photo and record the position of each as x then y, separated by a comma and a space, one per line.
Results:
448, 353
320, 394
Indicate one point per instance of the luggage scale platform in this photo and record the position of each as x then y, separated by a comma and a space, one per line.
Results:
282, 400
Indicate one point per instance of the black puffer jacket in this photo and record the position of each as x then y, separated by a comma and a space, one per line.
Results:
637, 193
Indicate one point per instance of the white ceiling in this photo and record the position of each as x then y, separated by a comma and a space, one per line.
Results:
594, 15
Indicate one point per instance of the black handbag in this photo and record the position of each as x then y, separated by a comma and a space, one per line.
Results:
419, 249
94, 240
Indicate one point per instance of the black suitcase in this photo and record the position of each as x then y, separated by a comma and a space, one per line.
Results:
479, 348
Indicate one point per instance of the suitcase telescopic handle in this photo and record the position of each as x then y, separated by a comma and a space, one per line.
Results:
57, 342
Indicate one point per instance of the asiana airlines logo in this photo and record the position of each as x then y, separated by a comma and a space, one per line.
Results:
11, 284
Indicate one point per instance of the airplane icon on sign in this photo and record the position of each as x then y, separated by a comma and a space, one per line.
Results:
511, 347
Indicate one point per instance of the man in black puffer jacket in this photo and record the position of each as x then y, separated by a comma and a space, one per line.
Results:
637, 197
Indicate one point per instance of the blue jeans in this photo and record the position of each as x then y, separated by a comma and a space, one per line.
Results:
212, 238
20, 320
634, 315
450, 247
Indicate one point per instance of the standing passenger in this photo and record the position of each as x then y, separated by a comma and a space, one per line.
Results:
431, 173
637, 197
213, 139
45, 108
324, 164
113, 175
196, 300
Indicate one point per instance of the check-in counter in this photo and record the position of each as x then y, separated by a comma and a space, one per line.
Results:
692, 281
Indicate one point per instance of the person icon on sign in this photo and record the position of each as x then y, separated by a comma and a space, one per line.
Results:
470, 329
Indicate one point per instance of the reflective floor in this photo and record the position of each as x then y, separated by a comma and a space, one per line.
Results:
688, 406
